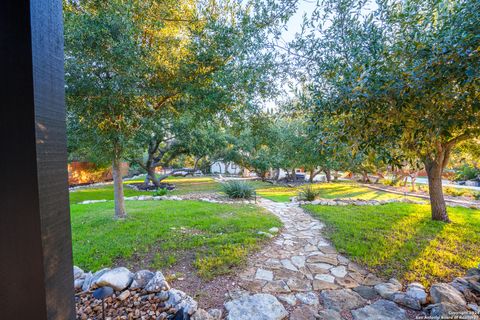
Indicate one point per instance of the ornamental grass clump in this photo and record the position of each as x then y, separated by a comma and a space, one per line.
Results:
238, 190
307, 194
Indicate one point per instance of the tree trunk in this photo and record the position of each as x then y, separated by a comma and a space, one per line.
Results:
437, 201
311, 176
413, 183
120, 212
152, 176
335, 175
294, 175
227, 164
365, 177
328, 175
277, 174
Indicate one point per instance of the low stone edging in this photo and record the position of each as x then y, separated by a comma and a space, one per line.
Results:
444, 300
357, 202
172, 198
136, 296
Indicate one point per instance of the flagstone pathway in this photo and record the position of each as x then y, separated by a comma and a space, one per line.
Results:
300, 264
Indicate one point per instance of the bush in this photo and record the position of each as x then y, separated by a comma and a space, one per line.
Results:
455, 192
476, 195
392, 182
160, 192
467, 172
307, 194
238, 190
422, 187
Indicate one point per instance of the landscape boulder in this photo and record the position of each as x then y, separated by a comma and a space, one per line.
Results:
445, 310
342, 299
380, 310
387, 289
78, 273
444, 292
157, 283
141, 278
416, 291
118, 278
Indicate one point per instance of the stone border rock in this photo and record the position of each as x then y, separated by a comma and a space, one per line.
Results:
137, 295
173, 198
360, 202
353, 202
461, 296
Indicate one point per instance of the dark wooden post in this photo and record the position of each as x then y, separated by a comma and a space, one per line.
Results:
35, 240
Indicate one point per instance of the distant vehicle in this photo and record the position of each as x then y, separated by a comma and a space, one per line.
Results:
182, 172
300, 175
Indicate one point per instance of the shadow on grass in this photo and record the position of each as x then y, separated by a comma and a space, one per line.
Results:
401, 240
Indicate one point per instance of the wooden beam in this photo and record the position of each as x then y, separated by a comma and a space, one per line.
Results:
35, 236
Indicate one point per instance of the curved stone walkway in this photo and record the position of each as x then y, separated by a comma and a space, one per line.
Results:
303, 271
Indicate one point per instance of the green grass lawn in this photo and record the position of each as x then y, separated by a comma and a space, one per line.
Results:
156, 232
183, 186
402, 241
332, 190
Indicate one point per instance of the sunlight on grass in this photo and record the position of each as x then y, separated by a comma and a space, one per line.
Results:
341, 190
402, 241
156, 230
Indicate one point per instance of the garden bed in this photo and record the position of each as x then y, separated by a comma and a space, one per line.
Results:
150, 187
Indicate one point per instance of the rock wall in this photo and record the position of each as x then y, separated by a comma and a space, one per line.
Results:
140, 295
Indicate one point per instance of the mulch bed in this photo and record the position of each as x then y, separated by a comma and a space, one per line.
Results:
143, 187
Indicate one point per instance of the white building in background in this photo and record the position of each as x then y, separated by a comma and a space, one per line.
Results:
220, 167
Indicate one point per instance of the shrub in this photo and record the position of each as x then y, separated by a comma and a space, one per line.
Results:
160, 192
422, 187
476, 195
455, 192
467, 172
307, 194
393, 182
238, 190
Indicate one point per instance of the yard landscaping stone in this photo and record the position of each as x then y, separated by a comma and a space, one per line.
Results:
339, 272
388, 289
329, 314
417, 291
263, 274
346, 282
342, 299
259, 306
444, 310
118, 279
325, 277
141, 278
157, 283
291, 299
407, 301
304, 313
78, 273
380, 310
138, 303
309, 298
366, 292
443, 292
